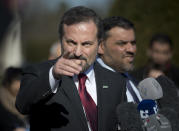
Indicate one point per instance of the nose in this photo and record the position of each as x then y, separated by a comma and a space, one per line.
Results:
78, 51
131, 47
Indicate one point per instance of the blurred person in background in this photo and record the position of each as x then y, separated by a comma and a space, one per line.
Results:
160, 54
55, 50
10, 35
10, 118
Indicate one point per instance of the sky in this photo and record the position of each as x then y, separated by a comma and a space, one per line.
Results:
102, 4
53, 3
41, 6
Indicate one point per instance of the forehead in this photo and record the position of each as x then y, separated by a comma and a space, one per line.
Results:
82, 28
160, 46
121, 33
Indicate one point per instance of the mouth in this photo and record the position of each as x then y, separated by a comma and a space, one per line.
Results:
129, 55
130, 58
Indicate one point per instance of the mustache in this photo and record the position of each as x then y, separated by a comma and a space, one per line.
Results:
77, 57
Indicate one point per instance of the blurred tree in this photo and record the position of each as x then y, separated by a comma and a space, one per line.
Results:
150, 17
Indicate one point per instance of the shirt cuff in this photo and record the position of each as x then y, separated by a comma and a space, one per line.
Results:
53, 82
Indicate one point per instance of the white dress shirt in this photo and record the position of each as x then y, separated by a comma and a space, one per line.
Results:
128, 94
90, 82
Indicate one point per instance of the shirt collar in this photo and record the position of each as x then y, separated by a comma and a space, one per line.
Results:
90, 72
100, 61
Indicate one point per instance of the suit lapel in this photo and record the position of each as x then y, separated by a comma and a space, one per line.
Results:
100, 83
72, 94
110, 88
70, 91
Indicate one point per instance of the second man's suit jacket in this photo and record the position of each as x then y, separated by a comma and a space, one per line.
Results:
63, 111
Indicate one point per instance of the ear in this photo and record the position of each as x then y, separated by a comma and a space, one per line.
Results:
101, 48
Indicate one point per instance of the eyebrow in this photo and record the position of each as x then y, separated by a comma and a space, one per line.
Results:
70, 40
91, 42
126, 41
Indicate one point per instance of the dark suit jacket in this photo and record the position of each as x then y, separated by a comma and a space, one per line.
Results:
63, 110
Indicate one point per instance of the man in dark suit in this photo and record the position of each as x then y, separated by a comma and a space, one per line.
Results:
117, 51
72, 92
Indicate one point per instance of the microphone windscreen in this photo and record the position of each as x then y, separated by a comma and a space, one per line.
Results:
128, 117
157, 122
147, 107
170, 93
168, 86
172, 116
149, 88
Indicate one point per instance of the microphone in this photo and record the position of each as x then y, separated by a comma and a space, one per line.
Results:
153, 121
147, 107
157, 122
128, 117
172, 116
168, 86
162, 90
149, 88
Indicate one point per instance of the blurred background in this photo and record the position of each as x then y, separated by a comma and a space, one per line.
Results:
30, 27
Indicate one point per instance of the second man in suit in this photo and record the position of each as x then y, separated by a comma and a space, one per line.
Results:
117, 51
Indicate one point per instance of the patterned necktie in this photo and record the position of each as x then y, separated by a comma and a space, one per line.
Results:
130, 89
134, 96
88, 103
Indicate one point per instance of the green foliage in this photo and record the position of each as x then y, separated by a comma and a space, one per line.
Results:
150, 17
